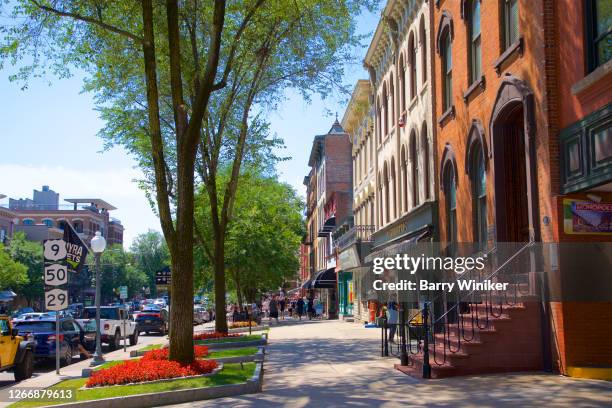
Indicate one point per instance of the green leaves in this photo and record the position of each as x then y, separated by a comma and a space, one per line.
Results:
12, 273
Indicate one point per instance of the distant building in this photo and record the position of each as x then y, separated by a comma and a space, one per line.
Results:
42, 217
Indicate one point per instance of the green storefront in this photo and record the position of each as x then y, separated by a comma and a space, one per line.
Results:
345, 293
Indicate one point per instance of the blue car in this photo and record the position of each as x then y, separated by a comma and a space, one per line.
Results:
43, 333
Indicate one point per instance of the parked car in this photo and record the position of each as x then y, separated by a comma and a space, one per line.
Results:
112, 327
16, 352
200, 315
43, 331
160, 302
19, 312
152, 319
34, 316
76, 310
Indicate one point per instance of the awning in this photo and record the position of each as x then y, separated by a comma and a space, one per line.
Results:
307, 284
7, 295
399, 248
328, 227
326, 279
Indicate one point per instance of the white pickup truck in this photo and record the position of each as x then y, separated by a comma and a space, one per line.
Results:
115, 324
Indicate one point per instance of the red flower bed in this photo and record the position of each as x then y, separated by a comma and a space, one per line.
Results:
213, 335
162, 354
154, 365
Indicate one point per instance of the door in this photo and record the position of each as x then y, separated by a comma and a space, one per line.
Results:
7, 344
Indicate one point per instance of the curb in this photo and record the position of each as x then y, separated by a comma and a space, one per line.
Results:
238, 344
251, 386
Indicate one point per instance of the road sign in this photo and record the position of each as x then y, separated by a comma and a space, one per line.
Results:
55, 275
56, 299
163, 277
54, 250
123, 293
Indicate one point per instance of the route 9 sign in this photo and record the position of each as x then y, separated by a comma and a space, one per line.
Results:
56, 275
56, 299
54, 250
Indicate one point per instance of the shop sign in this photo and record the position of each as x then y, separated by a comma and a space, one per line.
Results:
586, 217
349, 258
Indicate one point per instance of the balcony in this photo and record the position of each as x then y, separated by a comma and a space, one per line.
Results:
355, 234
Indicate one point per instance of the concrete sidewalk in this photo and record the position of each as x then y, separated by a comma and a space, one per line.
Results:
337, 364
45, 380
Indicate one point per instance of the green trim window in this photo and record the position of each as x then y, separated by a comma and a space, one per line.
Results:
451, 203
475, 43
479, 196
447, 72
510, 23
598, 24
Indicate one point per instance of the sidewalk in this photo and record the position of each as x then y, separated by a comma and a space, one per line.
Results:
337, 364
74, 370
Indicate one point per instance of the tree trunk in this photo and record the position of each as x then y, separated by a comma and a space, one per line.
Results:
221, 320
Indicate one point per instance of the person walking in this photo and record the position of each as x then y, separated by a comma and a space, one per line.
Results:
392, 320
310, 309
273, 310
300, 307
282, 303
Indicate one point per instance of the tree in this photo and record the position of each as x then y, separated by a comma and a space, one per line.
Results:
154, 68
150, 254
261, 249
117, 269
12, 273
30, 255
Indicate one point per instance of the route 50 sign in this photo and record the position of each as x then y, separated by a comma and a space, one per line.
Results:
56, 275
56, 299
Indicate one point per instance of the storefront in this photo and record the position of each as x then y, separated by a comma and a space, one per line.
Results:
345, 294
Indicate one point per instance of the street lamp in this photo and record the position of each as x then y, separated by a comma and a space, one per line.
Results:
98, 245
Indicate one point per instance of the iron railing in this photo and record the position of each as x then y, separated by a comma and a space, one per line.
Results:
443, 324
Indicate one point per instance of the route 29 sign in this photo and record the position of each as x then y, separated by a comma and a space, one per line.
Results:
56, 299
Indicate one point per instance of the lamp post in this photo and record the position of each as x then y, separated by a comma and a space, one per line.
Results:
98, 245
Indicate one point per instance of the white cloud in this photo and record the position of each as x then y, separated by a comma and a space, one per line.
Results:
114, 185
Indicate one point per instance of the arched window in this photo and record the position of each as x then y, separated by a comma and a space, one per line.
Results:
28, 221
404, 171
78, 226
425, 160
448, 181
447, 72
48, 222
385, 108
61, 224
414, 169
450, 190
478, 179
475, 56
393, 190
387, 210
379, 120
412, 62
402, 84
391, 104
423, 38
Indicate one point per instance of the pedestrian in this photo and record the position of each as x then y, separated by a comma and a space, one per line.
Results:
282, 303
392, 320
300, 307
273, 310
310, 310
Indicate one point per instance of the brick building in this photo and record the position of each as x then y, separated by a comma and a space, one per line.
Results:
44, 217
522, 91
329, 198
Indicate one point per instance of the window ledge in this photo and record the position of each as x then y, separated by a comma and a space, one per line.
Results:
450, 113
478, 84
589, 80
517, 46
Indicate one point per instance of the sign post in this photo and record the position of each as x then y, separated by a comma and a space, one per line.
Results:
123, 295
55, 275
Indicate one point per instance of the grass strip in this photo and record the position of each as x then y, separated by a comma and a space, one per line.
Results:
231, 374
230, 339
151, 347
245, 351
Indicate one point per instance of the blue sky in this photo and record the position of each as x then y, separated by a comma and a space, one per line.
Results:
48, 135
